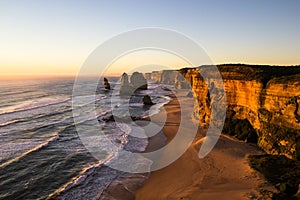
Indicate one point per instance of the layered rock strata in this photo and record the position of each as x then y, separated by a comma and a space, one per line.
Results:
263, 99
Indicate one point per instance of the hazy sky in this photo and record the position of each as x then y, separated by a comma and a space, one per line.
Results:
55, 37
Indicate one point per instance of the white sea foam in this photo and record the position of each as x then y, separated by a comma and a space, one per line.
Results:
21, 149
19, 138
33, 104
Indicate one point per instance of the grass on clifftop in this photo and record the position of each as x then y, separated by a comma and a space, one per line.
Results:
281, 171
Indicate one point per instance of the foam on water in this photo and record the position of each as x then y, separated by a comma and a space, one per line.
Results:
99, 177
33, 104
96, 178
34, 127
23, 148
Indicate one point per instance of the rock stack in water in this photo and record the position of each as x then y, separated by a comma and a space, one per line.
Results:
147, 100
125, 88
137, 82
106, 84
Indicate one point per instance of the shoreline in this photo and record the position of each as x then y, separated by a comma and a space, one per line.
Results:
223, 174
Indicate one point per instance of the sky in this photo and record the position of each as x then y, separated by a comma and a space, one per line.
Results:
55, 37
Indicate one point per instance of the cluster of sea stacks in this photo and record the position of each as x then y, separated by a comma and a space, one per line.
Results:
264, 99
262, 107
137, 83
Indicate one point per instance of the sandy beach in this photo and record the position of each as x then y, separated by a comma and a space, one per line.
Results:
223, 174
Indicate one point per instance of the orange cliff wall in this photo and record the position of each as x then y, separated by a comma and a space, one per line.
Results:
268, 97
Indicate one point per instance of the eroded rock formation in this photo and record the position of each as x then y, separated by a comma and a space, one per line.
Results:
138, 81
164, 76
268, 97
125, 88
106, 84
147, 100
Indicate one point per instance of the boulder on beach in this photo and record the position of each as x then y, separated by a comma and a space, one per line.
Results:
138, 81
147, 100
106, 84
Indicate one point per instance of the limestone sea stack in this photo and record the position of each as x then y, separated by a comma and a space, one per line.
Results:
106, 84
138, 81
125, 88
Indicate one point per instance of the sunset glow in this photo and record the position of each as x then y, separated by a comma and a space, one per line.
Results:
54, 39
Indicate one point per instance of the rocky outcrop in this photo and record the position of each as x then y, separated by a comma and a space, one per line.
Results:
190, 94
148, 75
147, 100
125, 88
138, 81
168, 76
267, 97
163, 77
106, 84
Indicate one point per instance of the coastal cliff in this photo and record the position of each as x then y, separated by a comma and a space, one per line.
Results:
262, 103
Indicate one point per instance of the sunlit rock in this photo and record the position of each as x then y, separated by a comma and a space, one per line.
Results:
125, 88
268, 97
138, 81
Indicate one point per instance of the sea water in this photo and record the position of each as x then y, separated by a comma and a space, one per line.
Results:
41, 154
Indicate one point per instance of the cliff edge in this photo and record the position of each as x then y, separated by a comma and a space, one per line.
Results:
262, 103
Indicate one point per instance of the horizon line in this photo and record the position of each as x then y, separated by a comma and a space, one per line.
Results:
50, 76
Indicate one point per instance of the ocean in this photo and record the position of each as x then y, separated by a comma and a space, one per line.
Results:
41, 154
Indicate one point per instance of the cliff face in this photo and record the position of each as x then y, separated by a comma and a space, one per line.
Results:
163, 77
265, 97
